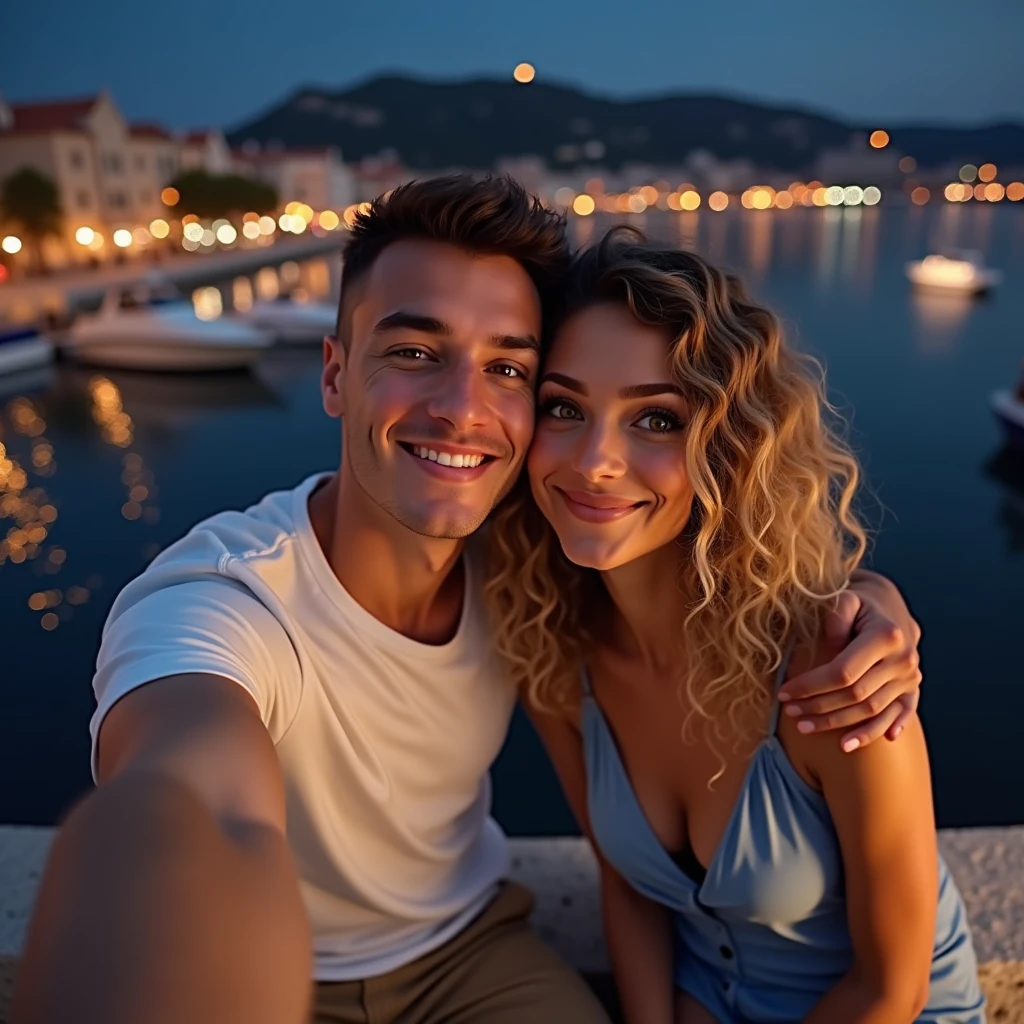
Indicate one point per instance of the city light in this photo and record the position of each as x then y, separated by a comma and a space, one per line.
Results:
968, 172
819, 196
920, 196
564, 196
583, 205
784, 200
284, 222
879, 140
834, 195
84, 235
853, 195
193, 232
170, 196
208, 302
11, 244
524, 73
637, 204
908, 164
226, 234
1015, 191
689, 200
122, 238
955, 192
979, 192
208, 237
987, 172
994, 192
267, 225
649, 194
141, 236
718, 201
251, 230
872, 194
329, 220
159, 228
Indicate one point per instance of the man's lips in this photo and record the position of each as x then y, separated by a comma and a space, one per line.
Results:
447, 462
598, 508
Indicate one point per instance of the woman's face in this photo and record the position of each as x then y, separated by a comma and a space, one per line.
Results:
607, 467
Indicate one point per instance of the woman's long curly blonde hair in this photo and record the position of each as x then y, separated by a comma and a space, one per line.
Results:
772, 537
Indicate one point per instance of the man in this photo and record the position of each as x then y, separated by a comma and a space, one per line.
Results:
298, 706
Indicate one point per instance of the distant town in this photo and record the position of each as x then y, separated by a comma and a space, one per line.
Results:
80, 184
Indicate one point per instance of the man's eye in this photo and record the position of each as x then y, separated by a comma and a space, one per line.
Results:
411, 353
511, 372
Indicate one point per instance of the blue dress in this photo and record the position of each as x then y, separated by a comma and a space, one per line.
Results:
764, 935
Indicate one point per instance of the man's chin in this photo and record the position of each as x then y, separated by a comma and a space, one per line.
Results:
441, 524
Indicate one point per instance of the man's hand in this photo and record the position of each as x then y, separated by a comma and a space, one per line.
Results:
873, 683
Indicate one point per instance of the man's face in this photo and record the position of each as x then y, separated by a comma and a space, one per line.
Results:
436, 387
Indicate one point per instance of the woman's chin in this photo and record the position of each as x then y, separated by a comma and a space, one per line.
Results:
601, 557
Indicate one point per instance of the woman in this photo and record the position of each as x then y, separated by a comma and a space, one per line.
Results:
690, 525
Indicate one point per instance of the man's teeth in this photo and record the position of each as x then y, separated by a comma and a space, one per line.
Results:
445, 459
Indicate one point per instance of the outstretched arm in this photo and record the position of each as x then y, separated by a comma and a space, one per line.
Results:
871, 686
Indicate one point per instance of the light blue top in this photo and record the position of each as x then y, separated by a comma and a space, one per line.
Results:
765, 935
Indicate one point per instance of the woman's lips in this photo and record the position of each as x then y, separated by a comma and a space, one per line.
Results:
597, 508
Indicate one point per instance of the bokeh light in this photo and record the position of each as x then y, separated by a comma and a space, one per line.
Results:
968, 172
251, 230
908, 164
920, 196
329, 220
84, 235
267, 225
208, 303
689, 200
994, 192
987, 172
226, 234
879, 139
524, 73
718, 201
11, 244
583, 205
834, 195
159, 228
1015, 191
872, 195
193, 232
122, 238
170, 196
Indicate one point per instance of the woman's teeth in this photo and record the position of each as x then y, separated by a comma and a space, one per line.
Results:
445, 459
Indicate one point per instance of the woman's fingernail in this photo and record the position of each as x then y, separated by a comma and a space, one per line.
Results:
793, 709
805, 726
851, 745
897, 731
784, 697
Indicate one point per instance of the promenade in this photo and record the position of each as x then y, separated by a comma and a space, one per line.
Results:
988, 864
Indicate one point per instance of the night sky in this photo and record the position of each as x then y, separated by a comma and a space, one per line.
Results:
217, 62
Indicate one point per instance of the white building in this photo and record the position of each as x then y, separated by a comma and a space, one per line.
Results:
315, 176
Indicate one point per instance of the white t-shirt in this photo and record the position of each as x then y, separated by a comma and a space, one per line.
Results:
385, 743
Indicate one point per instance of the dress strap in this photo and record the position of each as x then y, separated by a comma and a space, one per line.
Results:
780, 678
588, 690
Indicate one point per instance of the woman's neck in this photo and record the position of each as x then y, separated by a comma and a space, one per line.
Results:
648, 608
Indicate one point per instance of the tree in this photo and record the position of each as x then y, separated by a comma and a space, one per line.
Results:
218, 195
30, 200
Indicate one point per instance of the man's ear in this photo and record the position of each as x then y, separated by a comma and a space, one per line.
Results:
332, 380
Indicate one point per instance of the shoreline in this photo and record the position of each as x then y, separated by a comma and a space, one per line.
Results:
987, 863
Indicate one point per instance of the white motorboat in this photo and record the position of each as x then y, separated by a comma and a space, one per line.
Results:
1009, 410
161, 334
23, 349
964, 272
291, 322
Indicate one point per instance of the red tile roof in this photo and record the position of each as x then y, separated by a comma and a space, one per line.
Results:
199, 137
273, 155
149, 131
68, 115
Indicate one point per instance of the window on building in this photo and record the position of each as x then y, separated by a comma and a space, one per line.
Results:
117, 200
84, 199
112, 163
77, 158
140, 162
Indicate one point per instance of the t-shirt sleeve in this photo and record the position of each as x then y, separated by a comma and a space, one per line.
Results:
211, 626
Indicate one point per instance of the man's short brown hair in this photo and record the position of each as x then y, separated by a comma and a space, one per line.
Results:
489, 216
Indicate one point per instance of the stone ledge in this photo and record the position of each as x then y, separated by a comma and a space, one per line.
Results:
988, 865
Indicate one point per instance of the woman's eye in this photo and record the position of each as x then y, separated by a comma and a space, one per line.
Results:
658, 423
561, 411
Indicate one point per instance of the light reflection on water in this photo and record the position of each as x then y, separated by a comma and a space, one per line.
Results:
100, 469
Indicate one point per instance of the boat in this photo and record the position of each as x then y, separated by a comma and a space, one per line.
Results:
291, 322
23, 348
160, 332
1009, 410
964, 272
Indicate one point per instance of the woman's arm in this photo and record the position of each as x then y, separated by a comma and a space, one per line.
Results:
638, 931
881, 803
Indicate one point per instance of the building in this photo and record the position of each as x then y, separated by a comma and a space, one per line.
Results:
109, 173
314, 176
207, 150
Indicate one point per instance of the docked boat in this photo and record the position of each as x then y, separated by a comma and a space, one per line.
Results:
23, 348
291, 322
964, 272
160, 334
1009, 410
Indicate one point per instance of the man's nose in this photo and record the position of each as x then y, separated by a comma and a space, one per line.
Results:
460, 398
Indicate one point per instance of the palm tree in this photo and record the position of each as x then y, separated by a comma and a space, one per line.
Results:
30, 200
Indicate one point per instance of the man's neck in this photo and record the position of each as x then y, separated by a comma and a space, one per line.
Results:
411, 584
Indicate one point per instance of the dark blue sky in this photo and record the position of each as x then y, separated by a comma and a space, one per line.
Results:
197, 62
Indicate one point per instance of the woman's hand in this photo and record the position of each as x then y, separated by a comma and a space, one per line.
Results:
872, 685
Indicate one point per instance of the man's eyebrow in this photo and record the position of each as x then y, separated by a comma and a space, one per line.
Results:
516, 341
567, 382
404, 320
648, 390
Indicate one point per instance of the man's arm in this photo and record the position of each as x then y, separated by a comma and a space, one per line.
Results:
871, 686
170, 893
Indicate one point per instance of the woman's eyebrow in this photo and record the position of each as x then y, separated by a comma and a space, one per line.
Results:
648, 390
567, 382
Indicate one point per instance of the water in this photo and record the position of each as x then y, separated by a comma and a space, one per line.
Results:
915, 371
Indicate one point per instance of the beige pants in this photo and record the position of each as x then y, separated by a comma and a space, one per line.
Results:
496, 971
